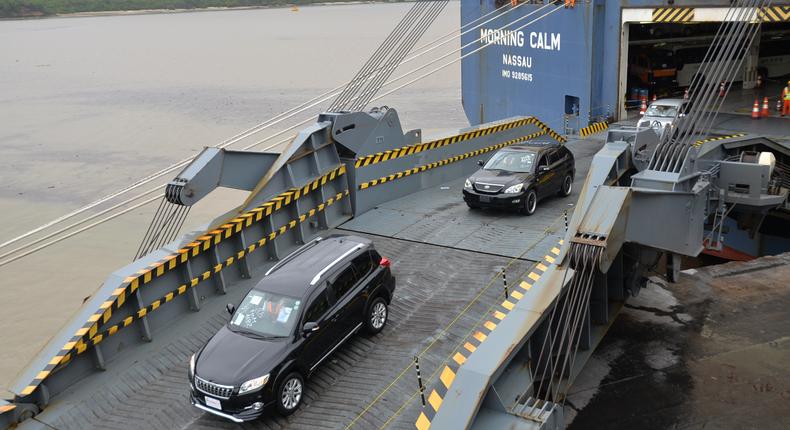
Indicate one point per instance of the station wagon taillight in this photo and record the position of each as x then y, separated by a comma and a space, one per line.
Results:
385, 262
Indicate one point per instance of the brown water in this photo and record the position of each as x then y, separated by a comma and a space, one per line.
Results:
90, 104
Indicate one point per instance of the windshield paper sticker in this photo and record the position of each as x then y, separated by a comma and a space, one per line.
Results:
256, 300
239, 319
284, 314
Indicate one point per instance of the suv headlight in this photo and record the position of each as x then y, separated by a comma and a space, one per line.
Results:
192, 366
514, 189
468, 184
253, 384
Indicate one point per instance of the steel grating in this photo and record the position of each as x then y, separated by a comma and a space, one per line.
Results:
438, 216
434, 285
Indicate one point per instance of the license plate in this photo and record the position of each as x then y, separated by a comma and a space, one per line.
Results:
485, 199
213, 403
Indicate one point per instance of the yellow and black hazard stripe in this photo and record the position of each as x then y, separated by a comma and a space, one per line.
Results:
458, 358
673, 14
594, 128
713, 139
446, 161
774, 14
80, 348
553, 134
7, 408
203, 243
392, 154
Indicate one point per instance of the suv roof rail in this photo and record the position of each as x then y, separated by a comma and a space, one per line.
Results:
293, 255
317, 277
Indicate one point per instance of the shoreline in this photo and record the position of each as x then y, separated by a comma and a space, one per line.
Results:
132, 12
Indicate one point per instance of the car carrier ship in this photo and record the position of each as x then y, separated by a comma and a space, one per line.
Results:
495, 314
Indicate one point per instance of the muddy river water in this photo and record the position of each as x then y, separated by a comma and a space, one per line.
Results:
90, 104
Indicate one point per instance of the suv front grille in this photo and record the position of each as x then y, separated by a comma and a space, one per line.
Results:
487, 188
221, 391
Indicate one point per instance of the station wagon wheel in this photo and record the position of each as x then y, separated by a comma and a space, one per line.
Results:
530, 202
289, 396
567, 186
376, 317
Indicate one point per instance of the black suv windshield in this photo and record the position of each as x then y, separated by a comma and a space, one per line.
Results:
512, 161
266, 314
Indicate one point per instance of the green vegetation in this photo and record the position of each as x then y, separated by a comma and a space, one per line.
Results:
29, 8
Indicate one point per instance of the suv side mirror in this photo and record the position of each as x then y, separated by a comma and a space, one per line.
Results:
542, 169
309, 327
480, 163
230, 308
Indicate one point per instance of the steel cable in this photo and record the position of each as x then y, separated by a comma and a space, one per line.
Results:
485, 45
240, 136
710, 115
373, 86
723, 65
694, 89
381, 53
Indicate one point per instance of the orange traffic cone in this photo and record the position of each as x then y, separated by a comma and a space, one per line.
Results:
686, 94
722, 92
643, 107
765, 112
756, 109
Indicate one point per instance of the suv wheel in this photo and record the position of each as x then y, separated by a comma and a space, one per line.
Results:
567, 186
290, 393
530, 202
376, 317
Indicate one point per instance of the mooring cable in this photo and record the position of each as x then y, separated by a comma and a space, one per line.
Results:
485, 45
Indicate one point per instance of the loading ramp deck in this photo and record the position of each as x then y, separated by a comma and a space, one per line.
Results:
441, 296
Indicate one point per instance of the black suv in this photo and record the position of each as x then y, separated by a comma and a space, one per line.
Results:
302, 310
520, 175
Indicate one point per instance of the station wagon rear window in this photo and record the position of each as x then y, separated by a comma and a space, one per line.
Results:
266, 314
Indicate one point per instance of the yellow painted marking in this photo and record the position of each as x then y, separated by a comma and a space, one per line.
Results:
550, 259
447, 377
155, 305
106, 304
517, 295
55, 360
422, 422
469, 347
459, 358
489, 325
542, 267
81, 332
525, 285
43, 374
30, 388
499, 315
534, 276
435, 400
555, 251
507, 304
480, 336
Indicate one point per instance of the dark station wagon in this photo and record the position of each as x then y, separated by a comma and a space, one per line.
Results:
520, 175
303, 309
